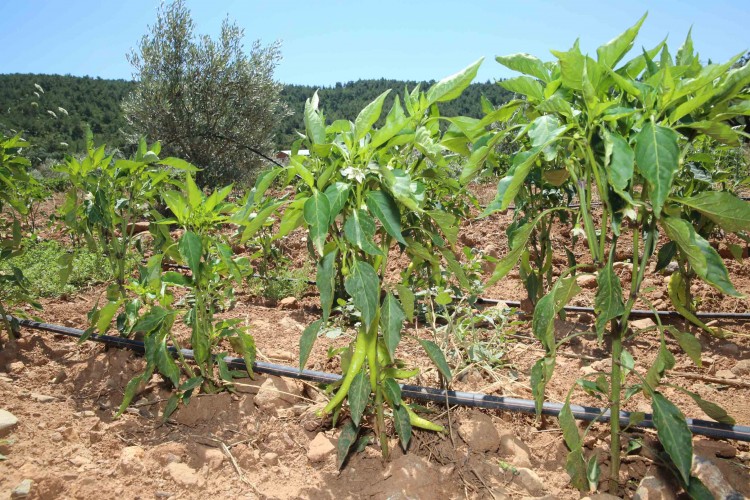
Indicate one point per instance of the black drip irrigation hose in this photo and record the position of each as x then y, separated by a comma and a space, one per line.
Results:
477, 400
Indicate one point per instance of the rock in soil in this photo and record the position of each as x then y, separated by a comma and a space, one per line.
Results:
277, 393
711, 448
586, 281
742, 368
22, 490
183, 475
320, 448
8, 422
288, 303
653, 487
713, 479
512, 447
43, 398
530, 481
642, 324
478, 431
271, 458
131, 460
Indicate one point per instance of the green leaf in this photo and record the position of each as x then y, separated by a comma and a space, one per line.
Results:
337, 194
726, 210
317, 213
244, 344
385, 209
452, 86
191, 249
455, 268
194, 194
347, 438
359, 396
673, 434
541, 373
179, 164
437, 357
447, 224
524, 85
713, 410
688, 343
200, 343
526, 64
608, 303
175, 278
613, 51
657, 155
171, 406
544, 129
392, 392
359, 230
702, 257
363, 286
151, 320
391, 321
314, 126
130, 391
403, 425
307, 340
542, 323
165, 363
571, 67
719, 131
105, 316
406, 297
325, 280
253, 225
394, 123
620, 161
176, 203
368, 116
569, 427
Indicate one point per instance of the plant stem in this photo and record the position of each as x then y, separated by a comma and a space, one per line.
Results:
615, 393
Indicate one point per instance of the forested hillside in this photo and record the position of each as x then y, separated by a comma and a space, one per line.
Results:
54, 114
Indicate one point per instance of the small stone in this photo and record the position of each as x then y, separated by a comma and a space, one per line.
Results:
742, 368
22, 490
163, 494
727, 374
653, 487
511, 446
280, 354
585, 318
603, 365
16, 367
59, 377
288, 303
712, 448
670, 268
320, 448
56, 437
586, 281
276, 393
183, 475
642, 324
271, 458
131, 460
79, 461
8, 422
291, 324
530, 481
712, 478
42, 398
212, 457
729, 349
478, 431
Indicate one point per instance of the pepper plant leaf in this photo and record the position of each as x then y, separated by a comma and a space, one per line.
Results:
452, 86
673, 434
726, 210
392, 318
368, 116
657, 156
608, 303
317, 212
385, 209
363, 286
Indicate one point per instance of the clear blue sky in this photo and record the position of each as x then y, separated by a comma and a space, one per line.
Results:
336, 41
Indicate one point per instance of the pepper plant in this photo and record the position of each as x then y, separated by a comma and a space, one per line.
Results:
214, 273
365, 191
622, 131
14, 181
108, 197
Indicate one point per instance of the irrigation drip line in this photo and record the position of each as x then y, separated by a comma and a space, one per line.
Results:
472, 399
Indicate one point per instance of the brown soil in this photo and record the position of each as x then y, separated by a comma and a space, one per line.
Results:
235, 445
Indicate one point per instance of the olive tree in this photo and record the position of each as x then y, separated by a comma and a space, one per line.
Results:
207, 100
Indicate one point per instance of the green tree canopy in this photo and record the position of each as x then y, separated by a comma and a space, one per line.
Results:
206, 100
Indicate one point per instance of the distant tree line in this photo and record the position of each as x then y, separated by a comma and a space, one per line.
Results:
54, 118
